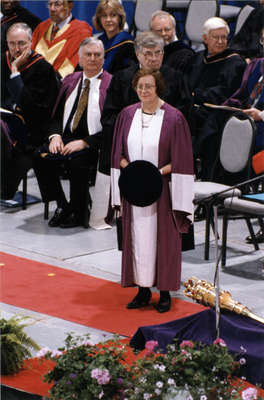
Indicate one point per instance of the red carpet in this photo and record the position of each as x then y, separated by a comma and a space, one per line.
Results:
79, 298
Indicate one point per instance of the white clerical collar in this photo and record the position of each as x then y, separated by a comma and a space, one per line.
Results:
1, 15
65, 22
93, 77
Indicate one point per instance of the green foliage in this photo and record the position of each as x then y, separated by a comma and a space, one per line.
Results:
15, 344
86, 371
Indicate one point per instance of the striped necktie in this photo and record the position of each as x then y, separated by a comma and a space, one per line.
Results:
83, 100
256, 92
54, 31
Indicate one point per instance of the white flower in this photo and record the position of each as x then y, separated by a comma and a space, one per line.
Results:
88, 343
243, 349
171, 381
162, 368
143, 380
189, 397
242, 361
100, 395
156, 366
56, 353
147, 396
159, 384
203, 397
158, 392
43, 352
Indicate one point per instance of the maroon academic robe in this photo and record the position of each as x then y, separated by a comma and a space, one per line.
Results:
175, 147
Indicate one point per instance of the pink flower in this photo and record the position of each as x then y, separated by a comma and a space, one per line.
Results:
186, 343
150, 345
101, 375
250, 394
42, 352
220, 341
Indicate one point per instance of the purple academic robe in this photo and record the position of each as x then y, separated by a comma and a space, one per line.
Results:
70, 81
175, 147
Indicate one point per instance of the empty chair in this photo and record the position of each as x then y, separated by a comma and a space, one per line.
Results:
198, 12
237, 208
235, 154
142, 14
242, 17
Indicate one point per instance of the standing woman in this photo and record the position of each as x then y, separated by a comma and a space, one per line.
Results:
153, 131
110, 18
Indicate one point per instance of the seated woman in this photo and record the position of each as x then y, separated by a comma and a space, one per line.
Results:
110, 18
156, 132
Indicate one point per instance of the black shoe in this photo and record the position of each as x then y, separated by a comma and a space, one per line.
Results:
259, 237
164, 303
59, 215
141, 299
71, 221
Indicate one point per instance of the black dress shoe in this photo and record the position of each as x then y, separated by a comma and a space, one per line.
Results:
259, 237
164, 303
141, 299
163, 306
59, 215
71, 221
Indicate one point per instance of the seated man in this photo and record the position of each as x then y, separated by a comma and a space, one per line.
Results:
75, 137
28, 89
176, 53
212, 76
149, 53
59, 37
13, 12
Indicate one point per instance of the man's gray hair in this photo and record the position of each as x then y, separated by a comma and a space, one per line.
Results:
215, 23
149, 40
162, 14
23, 27
91, 40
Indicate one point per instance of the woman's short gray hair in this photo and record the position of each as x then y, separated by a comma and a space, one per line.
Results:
215, 23
149, 40
23, 27
88, 41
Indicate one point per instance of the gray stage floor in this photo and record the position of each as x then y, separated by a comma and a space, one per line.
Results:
25, 233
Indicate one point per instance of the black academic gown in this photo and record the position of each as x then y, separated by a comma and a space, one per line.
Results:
211, 80
121, 94
177, 55
31, 95
20, 14
246, 41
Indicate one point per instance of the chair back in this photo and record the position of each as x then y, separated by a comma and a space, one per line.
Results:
143, 11
242, 17
198, 12
237, 144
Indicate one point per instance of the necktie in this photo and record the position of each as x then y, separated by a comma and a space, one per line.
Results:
81, 104
55, 29
256, 92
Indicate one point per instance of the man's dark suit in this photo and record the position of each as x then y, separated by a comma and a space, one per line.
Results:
121, 94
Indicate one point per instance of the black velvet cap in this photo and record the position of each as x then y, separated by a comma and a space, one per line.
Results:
140, 183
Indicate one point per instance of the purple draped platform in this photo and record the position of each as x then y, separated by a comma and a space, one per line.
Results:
238, 332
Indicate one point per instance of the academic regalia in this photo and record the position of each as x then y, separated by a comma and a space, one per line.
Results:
173, 146
241, 98
33, 92
177, 55
246, 41
32, 95
119, 51
121, 94
62, 51
20, 14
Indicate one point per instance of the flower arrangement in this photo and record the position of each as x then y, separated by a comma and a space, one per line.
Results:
188, 371
86, 371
